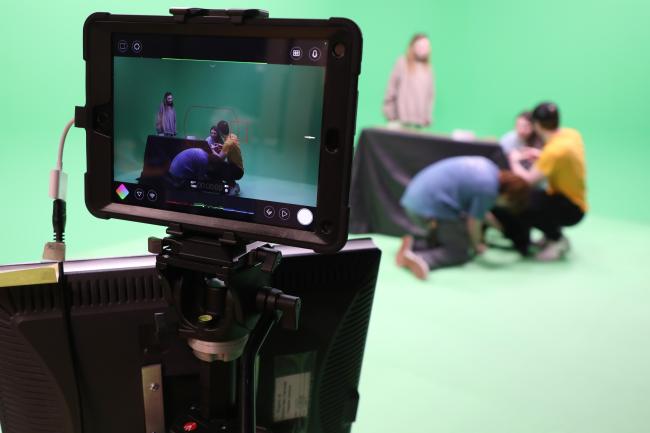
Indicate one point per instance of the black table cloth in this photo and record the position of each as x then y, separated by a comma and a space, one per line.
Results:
386, 160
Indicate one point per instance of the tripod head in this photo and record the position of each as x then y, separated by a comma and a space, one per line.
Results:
222, 305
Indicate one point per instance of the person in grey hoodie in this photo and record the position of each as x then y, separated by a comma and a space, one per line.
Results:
410, 93
166, 116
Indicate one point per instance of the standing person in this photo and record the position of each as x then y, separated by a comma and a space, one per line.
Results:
410, 92
450, 199
522, 136
166, 116
560, 163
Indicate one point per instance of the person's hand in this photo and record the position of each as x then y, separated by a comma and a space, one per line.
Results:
215, 149
231, 141
515, 154
480, 248
493, 222
530, 153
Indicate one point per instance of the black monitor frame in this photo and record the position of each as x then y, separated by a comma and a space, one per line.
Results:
72, 355
329, 229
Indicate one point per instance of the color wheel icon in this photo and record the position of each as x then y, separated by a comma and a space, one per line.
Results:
121, 191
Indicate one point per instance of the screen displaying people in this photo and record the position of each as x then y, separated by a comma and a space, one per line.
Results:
215, 127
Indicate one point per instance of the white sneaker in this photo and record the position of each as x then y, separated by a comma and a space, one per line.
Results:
554, 250
540, 244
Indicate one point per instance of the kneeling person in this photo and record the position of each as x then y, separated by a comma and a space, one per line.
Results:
198, 164
450, 199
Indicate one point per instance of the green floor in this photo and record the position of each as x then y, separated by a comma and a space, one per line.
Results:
509, 346
505, 345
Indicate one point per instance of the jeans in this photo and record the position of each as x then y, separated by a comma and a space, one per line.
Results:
447, 244
546, 212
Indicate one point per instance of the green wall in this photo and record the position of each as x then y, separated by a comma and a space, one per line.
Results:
248, 96
491, 59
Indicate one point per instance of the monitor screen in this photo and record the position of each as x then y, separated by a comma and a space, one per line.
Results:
223, 127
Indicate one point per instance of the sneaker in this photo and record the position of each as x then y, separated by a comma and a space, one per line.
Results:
540, 244
235, 189
554, 250
408, 259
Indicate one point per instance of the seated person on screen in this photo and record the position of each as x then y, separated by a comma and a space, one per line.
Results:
450, 200
522, 136
166, 116
217, 136
560, 163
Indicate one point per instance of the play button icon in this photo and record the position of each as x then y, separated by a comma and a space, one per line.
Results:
284, 214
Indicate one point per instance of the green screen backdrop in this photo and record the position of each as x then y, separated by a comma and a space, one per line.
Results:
479, 351
491, 59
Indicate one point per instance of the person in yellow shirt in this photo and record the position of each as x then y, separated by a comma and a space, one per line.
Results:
560, 164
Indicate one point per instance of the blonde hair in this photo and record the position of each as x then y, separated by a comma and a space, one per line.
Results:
410, 56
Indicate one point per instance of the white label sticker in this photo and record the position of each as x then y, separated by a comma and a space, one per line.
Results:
291, 397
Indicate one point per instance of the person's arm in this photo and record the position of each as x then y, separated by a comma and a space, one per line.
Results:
532, 176
492, 221
431, 97
232, 151
159, 128
529, 152
475, 230
390, 98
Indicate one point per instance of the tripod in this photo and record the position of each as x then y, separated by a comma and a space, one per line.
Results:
222, 306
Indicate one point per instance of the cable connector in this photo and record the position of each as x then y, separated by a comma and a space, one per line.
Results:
58, 190
58, 184
56, 250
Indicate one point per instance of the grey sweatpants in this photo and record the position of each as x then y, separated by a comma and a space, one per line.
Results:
446, 245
